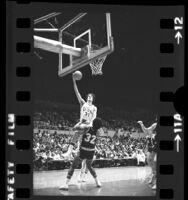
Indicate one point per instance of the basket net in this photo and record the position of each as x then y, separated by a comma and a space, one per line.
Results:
96, 65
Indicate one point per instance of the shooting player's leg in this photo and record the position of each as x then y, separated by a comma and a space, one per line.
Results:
74, 139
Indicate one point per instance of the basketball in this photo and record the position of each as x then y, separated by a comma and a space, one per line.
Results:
77, 75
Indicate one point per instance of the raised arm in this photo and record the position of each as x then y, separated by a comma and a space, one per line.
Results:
153, 126
144, 129
80, 99
149, 129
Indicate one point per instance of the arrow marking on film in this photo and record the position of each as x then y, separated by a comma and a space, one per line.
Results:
178, 36
177, 139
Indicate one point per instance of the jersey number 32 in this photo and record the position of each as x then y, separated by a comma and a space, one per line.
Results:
90, 138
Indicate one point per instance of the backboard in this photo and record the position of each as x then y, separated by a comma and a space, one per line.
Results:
83, 38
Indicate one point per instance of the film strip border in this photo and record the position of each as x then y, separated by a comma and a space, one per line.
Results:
171, 122
19, 151
19, 101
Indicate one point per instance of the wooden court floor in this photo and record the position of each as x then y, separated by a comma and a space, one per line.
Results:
116, 181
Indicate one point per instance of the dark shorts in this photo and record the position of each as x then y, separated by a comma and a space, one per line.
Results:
83, 154
152, 149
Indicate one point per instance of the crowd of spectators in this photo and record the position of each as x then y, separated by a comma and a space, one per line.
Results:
120, 147
49, 144
53, 120
65, 121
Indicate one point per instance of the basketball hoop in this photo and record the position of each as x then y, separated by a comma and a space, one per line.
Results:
96, 65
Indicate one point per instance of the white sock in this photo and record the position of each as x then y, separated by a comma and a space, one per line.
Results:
67, 181
96, 180
84, 175
80, 175
70, 149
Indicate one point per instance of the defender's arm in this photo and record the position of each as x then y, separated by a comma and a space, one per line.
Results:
144, 129
149, 129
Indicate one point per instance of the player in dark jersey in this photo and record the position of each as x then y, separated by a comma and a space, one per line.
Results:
152, 149
152, 153
87, 150
84, 170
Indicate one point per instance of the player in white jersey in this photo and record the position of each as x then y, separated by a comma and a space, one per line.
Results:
88, 113
151, 154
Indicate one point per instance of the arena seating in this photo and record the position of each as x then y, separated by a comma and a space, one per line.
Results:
121, 142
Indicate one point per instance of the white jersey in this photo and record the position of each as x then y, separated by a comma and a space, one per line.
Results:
88, 113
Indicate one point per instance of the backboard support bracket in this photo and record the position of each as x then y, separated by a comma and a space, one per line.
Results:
89, 55
83, 62
78, 56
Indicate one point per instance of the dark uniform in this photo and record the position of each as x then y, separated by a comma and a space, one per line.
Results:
88, 143
152, 150
152, 144
87, 151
